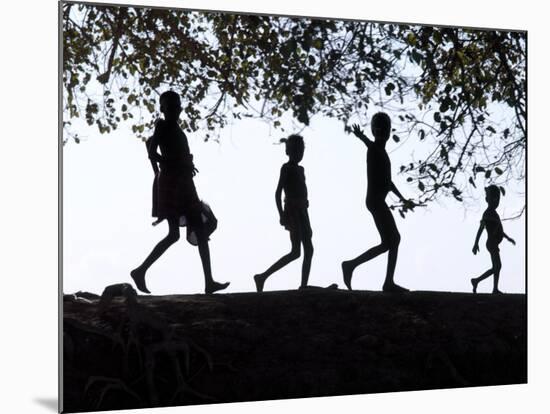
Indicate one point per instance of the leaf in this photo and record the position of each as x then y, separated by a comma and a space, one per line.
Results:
444, 154
318, 44
421, 186
502, 190
487, 173
457, 193
422, 134
433, 167
417, 57
471, 181
437, 117
498, 171
395, 138
303, 116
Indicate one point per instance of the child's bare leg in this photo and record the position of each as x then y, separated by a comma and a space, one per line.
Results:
389, 284
138, 274
392, 261
385, 224
497, 265
475, 281
279, 264
349, 266
306, 266
390, 236
211, 285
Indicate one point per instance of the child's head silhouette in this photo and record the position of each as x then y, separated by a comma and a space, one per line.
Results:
381, 126
170, 105
294, 147
492, 196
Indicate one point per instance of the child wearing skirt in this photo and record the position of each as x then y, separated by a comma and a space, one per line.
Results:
175, 197
294, 215
175, 189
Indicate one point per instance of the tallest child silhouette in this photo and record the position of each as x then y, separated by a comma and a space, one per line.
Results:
175, 197
379, 184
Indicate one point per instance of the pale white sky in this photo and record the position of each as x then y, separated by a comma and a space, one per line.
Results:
107, 224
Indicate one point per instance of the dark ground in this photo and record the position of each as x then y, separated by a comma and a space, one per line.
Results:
196, 349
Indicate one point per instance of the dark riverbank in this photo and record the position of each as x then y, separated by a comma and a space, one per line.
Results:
192, 349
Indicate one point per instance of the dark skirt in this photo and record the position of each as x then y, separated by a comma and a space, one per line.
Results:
296, 217
175, 195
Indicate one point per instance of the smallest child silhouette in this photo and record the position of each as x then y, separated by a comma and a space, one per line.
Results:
495, 234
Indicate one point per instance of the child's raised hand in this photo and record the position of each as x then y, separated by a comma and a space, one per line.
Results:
475, 249
357, 131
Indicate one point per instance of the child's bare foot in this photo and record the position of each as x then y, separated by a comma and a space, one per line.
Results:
215, 286
139, 280
474, 284
393, 288
259, 280
497, 292
310, 287
347, 272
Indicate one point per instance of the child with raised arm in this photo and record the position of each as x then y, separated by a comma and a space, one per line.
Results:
175, 198
379, 183
294, 215
495, 233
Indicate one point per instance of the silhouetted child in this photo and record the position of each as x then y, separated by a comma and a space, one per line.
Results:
379, 184
495, 234
175, 198
294, 216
